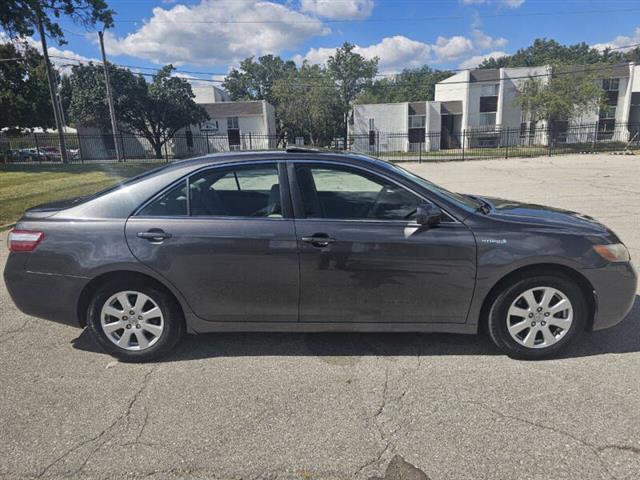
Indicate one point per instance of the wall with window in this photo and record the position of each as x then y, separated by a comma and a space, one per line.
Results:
390, 123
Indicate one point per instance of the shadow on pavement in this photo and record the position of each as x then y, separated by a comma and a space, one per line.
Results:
623, 338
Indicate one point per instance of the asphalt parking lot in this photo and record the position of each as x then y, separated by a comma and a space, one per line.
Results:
337, 406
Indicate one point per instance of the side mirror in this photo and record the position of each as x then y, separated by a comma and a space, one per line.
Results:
428, 215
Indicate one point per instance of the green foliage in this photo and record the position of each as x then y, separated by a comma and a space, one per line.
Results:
308, 105
311, 92
351, 73
155, 111
563, 96
549, 52
19, 17
24, 92
84, 95
411, 85
254, 80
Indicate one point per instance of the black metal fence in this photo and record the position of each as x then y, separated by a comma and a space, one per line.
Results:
527, 141
87, 148
415, 145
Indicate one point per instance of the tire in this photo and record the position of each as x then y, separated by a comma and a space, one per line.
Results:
152, 331
523, 332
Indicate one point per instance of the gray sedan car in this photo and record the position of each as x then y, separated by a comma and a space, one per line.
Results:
303, 241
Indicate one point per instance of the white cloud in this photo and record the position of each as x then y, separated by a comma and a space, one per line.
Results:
203, 33
394, 53
485, 42
621, 41
503, 3
338, 9
398, 52
453, 47
476, 60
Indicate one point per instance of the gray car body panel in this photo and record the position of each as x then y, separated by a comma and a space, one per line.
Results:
414, 292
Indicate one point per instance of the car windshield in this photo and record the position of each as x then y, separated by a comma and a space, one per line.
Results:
462, 201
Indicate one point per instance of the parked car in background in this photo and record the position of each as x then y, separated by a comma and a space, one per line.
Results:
306, 241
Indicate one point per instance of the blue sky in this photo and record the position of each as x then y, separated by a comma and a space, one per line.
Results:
195, 34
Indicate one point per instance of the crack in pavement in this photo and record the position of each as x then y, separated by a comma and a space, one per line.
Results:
9, 334
383, 437
398, 399
596, 450
101, 434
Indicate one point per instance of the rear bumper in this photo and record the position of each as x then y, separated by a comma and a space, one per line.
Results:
615, 288
48, 296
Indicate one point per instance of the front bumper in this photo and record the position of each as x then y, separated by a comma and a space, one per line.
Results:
615, 288
48, 296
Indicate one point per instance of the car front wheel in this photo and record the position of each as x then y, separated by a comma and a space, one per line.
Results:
135, 321
537, 317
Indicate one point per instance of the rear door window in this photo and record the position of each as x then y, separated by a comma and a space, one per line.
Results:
247, 191
173, 203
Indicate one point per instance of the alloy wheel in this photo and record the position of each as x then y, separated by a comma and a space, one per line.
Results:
540, 317
132, 320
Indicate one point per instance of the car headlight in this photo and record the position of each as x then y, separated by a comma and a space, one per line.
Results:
614, 252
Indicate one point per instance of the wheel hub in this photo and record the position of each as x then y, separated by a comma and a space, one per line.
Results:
539, 317
132, 320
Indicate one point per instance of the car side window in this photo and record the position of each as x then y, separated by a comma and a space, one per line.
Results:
346, 194
246, 191
173, 203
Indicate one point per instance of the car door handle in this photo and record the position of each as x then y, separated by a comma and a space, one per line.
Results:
319, 240
154, 235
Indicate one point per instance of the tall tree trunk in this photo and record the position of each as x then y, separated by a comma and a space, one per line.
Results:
346, 130
157, 146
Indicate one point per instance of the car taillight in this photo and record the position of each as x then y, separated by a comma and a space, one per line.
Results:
24, 240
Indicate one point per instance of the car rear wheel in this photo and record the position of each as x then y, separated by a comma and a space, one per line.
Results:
135, 321
537, 317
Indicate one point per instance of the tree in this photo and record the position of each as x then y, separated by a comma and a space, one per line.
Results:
19, 18
411, 85
545, 51
154, 111
308, 104
24, 93
351, 73
568, 93
254, 79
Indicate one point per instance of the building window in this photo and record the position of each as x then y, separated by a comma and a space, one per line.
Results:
232, 123
607, 115
488, 109
372, 124
417, 121
611, 84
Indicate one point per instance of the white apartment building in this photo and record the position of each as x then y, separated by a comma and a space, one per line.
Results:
233, 125
483, 101
402, 127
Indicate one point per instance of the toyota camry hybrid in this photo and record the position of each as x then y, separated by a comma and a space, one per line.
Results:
304, 241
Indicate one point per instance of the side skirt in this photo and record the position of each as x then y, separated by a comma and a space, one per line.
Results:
199, 326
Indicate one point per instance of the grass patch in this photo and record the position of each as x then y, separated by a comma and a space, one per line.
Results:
24, 186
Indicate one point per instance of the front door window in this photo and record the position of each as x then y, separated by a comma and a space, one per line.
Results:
340, 193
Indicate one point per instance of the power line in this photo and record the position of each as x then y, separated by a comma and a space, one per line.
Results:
192, 72
575, 70
387, 19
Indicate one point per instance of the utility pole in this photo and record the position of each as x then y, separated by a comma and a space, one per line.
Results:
112, 110
52, 89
